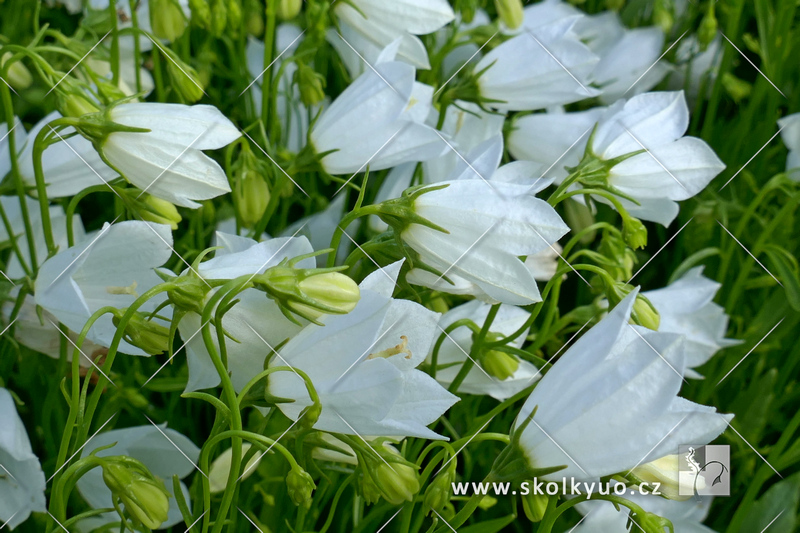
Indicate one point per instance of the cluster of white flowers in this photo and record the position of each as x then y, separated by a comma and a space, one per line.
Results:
467, 161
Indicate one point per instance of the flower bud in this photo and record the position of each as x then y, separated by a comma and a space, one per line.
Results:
73, 101
251, 192
666, 472
219, 17
311, 84
234, 16
185, 79
510, 12
708, 28
144, 496
201, 13
500, 365
368, 489
643, 313
534, 506
189, 293
634, 232
301, 486
220, 469
309, 293
737, 88
648, 523
437, 494
152, 209
397, 482
254, 18
288, 9
662, 15
19, 77
167, 19
143, 332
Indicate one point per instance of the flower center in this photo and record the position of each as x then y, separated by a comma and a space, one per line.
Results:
394, 350
130, 289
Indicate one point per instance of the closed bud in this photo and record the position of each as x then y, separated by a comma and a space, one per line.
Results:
167, 19
152, 209
144, 496
534, 506
219, 17
254, 18
288, 9
301, 486
437, 494
251, 192
73, 100
332, 291
19, 77
666, 472
500, 365
142, 332
397, 482
188, 293
234, 16
311, 84
510, 12
634, 232
737, 88
185, 79
662, 15
645, 314
707, 31
201, 13
368, 489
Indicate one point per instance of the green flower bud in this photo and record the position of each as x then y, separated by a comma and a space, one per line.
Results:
167, 19
201, 13
311, 84
708, 28
309, 293
254, 18
510, 12
368, 489
219, 17
666, 472
437, 494
72, 100
534, 506
234, 16
19, 77
662, 15
189, 293
500, 365
151, 208
737, 88
643, 313
251, 192
142, 332
397, 482
301, 486
144, 496
634, 232
185, 79
288, 9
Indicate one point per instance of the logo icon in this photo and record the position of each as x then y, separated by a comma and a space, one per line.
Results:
704, 470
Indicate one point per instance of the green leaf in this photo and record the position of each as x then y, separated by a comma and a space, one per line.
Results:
786, 268
489, 526
776, 510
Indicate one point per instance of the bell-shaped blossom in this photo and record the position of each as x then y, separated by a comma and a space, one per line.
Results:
610, 403
489, 224
369, 26
455, 350
256, 323
167, 161
696, 68
22, 483
165, 453
544, 264
603, 517
111, 268
363, 366
790, 133
541, 67
395, 133
686, 307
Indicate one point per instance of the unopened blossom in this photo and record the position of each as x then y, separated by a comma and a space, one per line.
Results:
395, 133
610, 402
686, 307
111, 268
167, 160
367, 380
371, 25
790, 133
603, 517
22, 484
255, 322
455, 350
539, 68
489, 225
165, 452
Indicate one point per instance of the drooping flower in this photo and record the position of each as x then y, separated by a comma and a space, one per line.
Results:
363, 366
369, 26
22, 483
610, 403
164, 452
456, 347
542, 67
395, 132
255, 322
111, 268
686, 307
790, 133
489, 225
167, 160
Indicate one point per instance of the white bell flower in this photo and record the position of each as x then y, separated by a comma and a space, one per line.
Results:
542, 67
457, 345
363, 366
490, 224
164, 452
603, 517
167, 161
686, 307
610, 403
256, 321
111, 268
22, 483
393, 134
371, 25
790, 133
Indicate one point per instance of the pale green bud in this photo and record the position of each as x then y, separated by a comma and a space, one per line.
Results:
535, 506
737, 88
72, 100
144, 496
615, 5
662, 15
153, 209
254, 18
645, 314
510, 12
500, 365
251, 192
331, 290
397, 482
19, 77
140, 331
708, 28
311, 84
234, 16
301, 486
201, 13
437, 494
189, 293
288, 9
219, 17
185, 79
368, 489
634, 232
167, 19
666, 472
